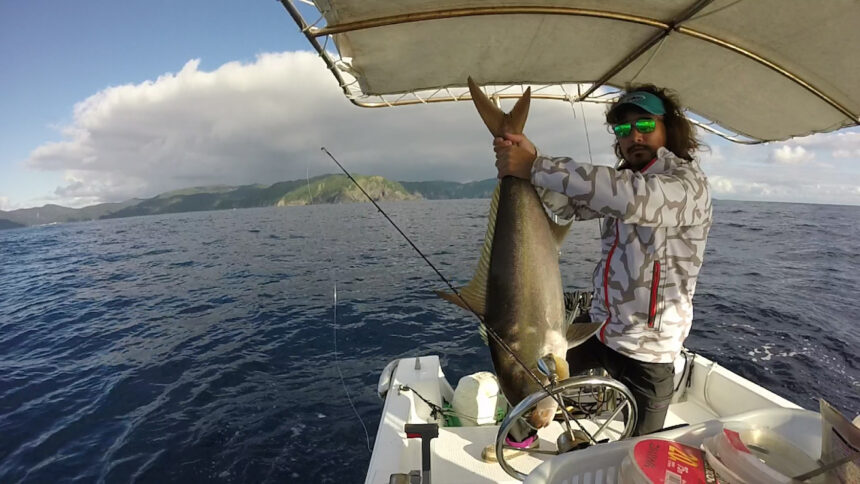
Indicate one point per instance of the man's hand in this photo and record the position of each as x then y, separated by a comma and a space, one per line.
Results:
515, 155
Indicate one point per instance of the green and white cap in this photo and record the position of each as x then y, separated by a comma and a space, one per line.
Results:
643, 100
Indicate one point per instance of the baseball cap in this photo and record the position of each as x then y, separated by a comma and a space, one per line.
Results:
643, 100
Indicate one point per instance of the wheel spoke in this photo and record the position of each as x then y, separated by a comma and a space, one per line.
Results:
599, 388
531, 451
612, 417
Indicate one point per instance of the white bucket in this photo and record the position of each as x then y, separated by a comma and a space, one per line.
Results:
476, 399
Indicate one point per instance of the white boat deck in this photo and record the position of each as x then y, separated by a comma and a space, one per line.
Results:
714, 393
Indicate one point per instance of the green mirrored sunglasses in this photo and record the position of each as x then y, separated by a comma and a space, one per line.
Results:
643, 125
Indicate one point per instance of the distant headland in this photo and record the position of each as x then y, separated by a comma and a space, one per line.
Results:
317, 190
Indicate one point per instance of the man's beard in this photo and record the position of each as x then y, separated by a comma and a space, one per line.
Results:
638, 156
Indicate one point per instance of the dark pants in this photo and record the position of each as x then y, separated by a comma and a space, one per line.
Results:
651, 383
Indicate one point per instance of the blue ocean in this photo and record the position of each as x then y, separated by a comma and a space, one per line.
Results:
210, 346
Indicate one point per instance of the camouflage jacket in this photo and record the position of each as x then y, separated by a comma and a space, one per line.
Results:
653, 241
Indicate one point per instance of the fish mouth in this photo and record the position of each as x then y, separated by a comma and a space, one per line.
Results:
543, 413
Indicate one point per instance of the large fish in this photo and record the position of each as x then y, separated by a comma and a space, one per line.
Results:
517, 285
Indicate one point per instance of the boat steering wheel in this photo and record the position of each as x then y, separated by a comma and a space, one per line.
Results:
613, 399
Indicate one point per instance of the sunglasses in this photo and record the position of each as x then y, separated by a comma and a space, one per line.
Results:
644, 126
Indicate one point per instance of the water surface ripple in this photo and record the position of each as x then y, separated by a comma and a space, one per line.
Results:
200, 347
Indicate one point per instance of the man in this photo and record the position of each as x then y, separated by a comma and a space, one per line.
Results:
657, 213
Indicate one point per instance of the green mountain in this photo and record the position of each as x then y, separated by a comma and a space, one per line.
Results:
320, 189
340, 189
210, 198
58, 214
439, 190
317, 190
8, 224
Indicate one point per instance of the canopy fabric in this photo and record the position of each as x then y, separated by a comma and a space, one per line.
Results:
765, 69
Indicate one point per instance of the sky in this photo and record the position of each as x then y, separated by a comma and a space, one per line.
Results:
103, 101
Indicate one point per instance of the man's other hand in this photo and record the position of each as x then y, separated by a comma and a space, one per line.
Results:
515, 155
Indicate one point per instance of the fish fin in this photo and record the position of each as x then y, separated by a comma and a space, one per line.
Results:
493, 117
475, 292
517, 117
474, 301
577, 333
482, 330
559, 231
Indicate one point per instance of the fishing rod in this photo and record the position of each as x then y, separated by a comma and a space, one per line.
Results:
492, 333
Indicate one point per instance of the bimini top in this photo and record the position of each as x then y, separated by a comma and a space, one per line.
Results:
753, 71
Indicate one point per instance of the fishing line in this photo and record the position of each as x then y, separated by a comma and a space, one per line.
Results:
340, 373
585, 128
590, 159
490, 331
334, 330
588, 145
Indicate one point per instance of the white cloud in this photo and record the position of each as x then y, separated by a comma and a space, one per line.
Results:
713, 154
841, 144
721, 185
791, 155
265, 121
847, 153
784, 187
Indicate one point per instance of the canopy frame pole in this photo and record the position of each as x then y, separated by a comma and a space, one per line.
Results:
479, 11
329, 62
647, 45
733, 138
311, 33
775, 67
